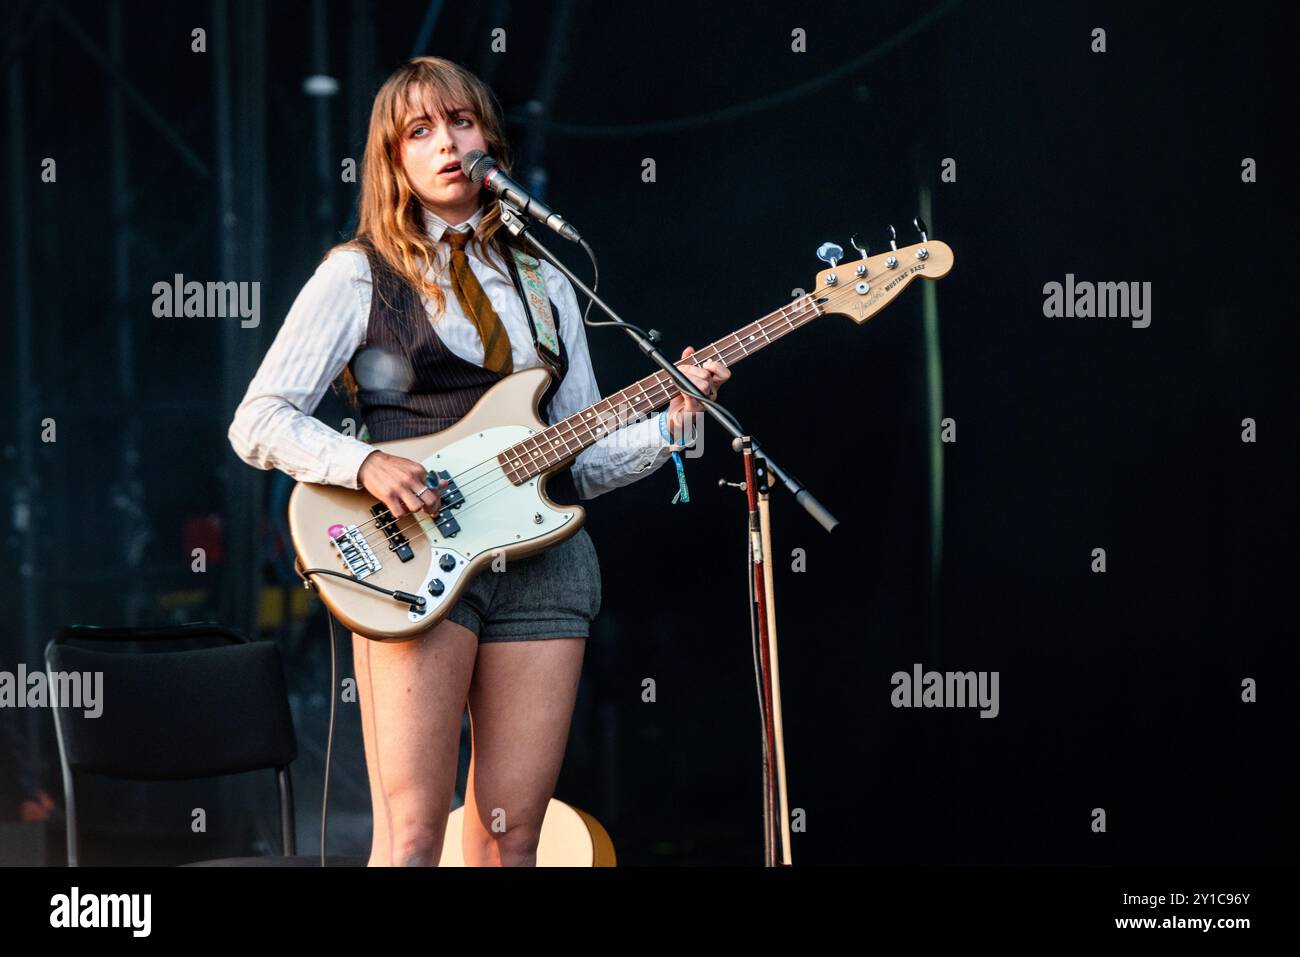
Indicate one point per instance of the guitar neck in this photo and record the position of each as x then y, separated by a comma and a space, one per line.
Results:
560, 443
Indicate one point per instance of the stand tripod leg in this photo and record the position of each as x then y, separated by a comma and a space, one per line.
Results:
765, 525
764, 613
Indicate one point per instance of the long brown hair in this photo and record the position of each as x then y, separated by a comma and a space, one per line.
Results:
391, 215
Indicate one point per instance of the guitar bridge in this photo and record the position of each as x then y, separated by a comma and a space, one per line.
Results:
356, 552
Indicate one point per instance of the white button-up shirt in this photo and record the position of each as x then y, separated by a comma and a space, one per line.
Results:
274, 427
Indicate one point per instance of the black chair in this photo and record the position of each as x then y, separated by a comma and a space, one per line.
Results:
177, 715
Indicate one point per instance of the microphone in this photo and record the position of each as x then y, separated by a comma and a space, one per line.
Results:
483, 171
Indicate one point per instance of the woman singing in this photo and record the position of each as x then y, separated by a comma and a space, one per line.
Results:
420, 314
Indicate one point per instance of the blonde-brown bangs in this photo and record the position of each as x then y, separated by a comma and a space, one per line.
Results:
437, 97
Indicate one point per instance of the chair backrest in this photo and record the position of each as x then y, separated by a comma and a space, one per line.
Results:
173, 715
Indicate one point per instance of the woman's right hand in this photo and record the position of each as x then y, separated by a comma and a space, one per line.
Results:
399, 483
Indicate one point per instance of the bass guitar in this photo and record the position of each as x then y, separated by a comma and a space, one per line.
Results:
392, 579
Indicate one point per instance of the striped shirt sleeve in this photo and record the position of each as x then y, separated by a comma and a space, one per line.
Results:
273, 426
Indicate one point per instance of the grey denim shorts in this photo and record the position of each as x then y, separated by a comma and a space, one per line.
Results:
553, 594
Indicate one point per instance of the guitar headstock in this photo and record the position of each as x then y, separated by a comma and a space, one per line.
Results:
860, 288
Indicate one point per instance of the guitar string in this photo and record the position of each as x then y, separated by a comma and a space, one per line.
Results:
499, 482
461, 478
466, 485
801, 313
667, 387
564, 434
728, 353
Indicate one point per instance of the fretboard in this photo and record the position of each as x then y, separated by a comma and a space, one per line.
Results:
560, 443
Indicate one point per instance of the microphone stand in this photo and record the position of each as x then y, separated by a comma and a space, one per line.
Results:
758, 466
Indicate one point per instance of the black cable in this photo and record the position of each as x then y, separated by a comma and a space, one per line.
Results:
402, 596
652, 336
329, 739
334, 691
754, 637
595, 280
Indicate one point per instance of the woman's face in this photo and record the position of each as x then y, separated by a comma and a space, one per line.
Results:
432, 148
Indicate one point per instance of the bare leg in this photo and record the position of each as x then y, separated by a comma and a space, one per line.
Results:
520, 705
412, 696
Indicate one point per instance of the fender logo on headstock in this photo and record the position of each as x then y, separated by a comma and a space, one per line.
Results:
861, 289
866, 305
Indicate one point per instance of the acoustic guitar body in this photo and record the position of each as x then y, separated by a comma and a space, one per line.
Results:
570, 838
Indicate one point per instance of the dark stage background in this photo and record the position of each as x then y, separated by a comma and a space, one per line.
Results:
1120, 691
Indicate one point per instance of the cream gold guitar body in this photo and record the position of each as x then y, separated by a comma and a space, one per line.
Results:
392, 579
414, 554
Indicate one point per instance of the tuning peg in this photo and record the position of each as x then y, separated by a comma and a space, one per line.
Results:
893, 236
830, 253
919, 223
862, 251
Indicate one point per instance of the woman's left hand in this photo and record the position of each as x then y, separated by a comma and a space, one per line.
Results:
708, 378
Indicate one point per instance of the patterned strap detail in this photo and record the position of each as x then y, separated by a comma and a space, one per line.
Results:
539, 306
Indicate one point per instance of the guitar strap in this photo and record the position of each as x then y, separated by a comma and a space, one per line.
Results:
550, 349
532, 290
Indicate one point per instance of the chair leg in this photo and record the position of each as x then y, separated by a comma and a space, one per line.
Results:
288, 832
69, 785
70, 815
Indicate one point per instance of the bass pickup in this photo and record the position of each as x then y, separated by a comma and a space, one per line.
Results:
398, 543
451, 497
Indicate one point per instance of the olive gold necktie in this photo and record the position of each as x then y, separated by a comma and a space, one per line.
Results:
478, 309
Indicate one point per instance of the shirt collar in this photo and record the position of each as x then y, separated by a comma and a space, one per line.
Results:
436, 225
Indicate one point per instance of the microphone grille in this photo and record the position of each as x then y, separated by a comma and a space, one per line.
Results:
476, 165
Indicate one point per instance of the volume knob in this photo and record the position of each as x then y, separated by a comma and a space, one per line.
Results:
447, 562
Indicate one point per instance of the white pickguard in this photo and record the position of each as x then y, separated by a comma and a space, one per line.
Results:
496, 513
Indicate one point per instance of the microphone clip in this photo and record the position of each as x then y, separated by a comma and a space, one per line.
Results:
511, 218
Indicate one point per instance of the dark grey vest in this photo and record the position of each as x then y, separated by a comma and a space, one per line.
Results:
409, 383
